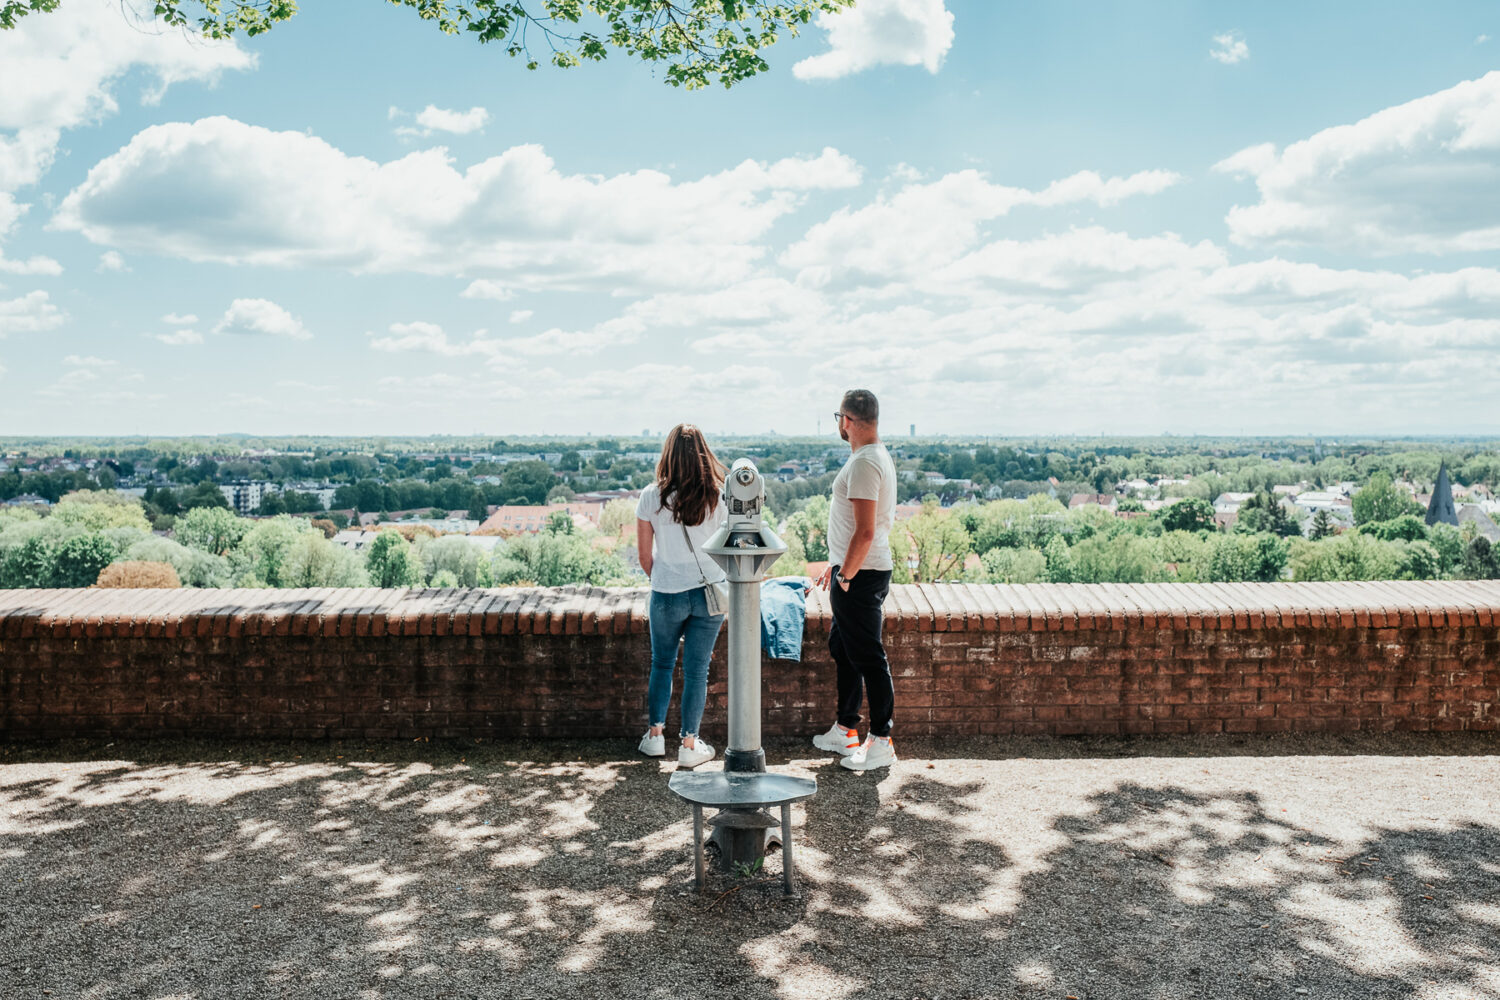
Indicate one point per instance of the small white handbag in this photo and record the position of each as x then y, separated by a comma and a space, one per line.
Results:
715, 595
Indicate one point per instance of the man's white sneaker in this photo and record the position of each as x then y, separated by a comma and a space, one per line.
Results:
700, 752
654, 746
875, 751
838, 740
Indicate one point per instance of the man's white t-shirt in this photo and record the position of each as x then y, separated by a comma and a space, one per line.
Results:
674, 568
868, 475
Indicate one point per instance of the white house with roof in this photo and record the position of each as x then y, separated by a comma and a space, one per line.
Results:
1229, 503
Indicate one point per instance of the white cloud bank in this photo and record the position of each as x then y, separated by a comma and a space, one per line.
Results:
881, 33
220, 190
928, 225
1420, 177
60, 70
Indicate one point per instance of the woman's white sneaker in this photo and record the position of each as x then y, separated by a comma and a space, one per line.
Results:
654, 746
838, 740
875, 751
699, 753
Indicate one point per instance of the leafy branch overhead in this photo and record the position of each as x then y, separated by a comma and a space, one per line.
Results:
699, 41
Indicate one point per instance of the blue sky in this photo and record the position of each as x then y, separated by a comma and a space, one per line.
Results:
1004, 218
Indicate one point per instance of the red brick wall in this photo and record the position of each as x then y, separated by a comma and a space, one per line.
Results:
1044, 659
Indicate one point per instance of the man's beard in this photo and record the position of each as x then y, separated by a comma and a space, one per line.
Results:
843, 432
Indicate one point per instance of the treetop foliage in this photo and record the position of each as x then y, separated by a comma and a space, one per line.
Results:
698, 41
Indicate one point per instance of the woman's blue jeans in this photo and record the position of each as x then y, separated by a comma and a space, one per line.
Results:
680, 618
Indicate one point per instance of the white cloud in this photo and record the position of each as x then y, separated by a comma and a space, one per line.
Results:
1419, 177
483, 288
61, 70
220, 190
33, 265
111, 260
10, 213
260, 318
1086, 258
429, 338
1086, 185
180, 338
622, 331
103, 379
1229, 48
172, 319
87, 361
925, 226
434, 119
31, 313
880, 33
1481, 39
520, 315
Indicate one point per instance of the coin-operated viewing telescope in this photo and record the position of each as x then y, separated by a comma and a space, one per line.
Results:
744, 548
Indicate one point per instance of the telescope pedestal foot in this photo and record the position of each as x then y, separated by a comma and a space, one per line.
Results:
743, 836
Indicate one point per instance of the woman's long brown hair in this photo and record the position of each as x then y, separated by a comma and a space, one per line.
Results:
688, 476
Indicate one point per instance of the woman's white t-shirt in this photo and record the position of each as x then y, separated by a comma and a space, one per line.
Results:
674, 568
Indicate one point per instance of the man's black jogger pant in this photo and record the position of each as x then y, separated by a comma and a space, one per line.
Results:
854, 641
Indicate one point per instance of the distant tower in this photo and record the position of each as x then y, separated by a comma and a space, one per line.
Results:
913, 430
1441, 510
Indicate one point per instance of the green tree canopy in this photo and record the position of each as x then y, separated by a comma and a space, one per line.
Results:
939, 540
1191, 514
212, 529
391, 562
1381, 501
1264, 513
809, 526
1480, 561
554, 561
698, 41
95, 511
1406, 528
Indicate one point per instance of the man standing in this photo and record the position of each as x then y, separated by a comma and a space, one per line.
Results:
858, 579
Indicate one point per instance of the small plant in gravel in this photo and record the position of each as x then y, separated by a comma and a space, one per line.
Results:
743, 870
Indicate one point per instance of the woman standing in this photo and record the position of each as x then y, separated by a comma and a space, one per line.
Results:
675, 517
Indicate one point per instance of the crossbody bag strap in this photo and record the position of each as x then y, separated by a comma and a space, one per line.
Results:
702, 576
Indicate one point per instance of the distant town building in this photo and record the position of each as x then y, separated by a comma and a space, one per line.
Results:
27, 500
1484, 525
531, 520
1312, 501
1106, 500
245, 496
1441, 510
1229, 503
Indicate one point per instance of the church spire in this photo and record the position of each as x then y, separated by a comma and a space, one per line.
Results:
1440, 509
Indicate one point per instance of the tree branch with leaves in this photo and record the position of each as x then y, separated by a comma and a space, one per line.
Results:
698, 41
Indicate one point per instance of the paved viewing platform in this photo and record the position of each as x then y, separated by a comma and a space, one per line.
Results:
1225, 867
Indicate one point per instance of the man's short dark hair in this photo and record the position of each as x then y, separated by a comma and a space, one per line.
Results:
861, 404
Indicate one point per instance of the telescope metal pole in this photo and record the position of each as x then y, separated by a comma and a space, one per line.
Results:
744, 752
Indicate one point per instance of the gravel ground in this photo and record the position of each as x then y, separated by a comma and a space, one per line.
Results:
1090, 868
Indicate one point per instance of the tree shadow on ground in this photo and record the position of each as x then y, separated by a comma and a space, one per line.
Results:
324, 870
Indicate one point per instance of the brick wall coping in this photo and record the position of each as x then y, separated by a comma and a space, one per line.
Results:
599, 611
